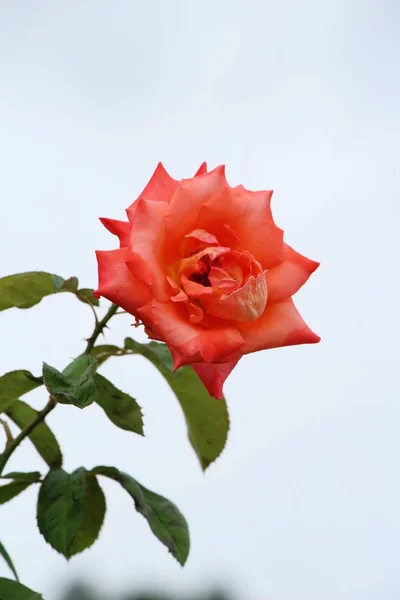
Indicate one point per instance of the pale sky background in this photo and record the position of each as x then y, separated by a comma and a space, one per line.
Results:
301, 97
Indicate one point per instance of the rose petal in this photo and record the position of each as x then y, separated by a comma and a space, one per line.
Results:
187, 201
238, 265
201, 170
203, 236
214, 375
280, 325
187, 341
120, 228
245, 304
193, 289
195, 240
145, 251
160, 187
180, 297
195, 313
194, 264
249, 215
116, 282
288, 277
173, 284
228, 237
222, 280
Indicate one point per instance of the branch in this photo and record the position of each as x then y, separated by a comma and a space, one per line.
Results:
99, 328
13, 445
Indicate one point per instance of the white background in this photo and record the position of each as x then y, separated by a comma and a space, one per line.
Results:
301, 97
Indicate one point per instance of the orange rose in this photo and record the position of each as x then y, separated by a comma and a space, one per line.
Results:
204, 267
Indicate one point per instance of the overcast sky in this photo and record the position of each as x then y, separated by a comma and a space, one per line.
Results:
301, 97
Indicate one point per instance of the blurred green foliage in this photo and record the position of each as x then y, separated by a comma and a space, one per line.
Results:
80, 591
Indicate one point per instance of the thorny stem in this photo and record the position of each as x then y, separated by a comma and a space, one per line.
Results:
13, 445
99, 328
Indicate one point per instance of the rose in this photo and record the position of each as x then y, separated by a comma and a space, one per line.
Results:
204, 267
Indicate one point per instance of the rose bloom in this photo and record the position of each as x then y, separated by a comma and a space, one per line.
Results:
204, 267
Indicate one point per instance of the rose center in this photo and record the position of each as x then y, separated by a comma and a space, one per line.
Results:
217, 281
201, 277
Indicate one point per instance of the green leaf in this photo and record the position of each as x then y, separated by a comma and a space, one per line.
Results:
79, 367
41, 437
207, 418
24, 290
158, 353
69, 285
86, 295
8, 560
104, 351
94, 511
10, 490
30, 476
70, 510
75, 384
165, 520
120, 408
13, 590
15, 384
55, 383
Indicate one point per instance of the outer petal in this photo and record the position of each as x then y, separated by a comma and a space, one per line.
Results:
249, 215
288, 277
120, 228
116, 282
160, 187
280, 325
214, 375
144, 255
201, 170
185, 205
188, 341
